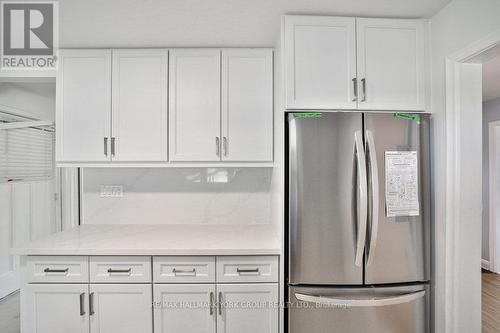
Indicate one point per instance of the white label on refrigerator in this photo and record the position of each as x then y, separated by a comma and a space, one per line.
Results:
401, 183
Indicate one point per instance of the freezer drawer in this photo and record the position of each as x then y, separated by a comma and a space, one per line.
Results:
348, 310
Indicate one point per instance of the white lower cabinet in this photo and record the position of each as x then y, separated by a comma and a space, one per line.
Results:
247, 308
205, 308
120, 308
187, 308
117, 294
56, 308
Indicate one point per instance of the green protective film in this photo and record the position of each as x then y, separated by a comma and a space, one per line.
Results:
307, 114
408, 116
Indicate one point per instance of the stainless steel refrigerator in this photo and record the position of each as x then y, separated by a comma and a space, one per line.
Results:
358, 222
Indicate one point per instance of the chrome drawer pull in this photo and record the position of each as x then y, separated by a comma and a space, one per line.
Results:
110, 270
184, 271
254, 270
48, 270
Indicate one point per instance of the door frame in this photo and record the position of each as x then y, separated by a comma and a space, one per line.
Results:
494, 262
457, 199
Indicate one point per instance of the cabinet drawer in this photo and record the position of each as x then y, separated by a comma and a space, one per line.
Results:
184, 269
57, 269
104, 269
247, 269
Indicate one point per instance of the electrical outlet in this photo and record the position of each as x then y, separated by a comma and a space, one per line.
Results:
111, 191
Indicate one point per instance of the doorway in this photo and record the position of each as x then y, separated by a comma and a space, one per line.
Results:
490, 260
464, 206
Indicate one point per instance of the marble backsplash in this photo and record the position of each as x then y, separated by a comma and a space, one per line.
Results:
178, 196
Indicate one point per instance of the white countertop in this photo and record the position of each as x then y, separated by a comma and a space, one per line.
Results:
175, 239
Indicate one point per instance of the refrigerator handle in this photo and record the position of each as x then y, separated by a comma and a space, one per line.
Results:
360, 302
374, 214
363, 197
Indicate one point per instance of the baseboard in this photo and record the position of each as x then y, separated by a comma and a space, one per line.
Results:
485, 264
9, 282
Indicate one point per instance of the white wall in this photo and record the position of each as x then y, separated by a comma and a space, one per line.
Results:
453, 28
179, 196
491, 112
32, 100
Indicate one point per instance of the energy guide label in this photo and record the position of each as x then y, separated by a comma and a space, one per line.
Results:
401, 183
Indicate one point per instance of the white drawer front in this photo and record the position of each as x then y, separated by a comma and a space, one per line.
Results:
184, 269
247, 269
57, 269
112, 269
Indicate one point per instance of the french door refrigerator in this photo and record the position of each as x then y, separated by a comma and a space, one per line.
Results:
358, 222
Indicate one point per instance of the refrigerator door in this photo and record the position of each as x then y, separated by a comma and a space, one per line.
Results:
346, 310
327, 198
398, 248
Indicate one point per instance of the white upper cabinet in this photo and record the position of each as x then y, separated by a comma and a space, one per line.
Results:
320, 62
354, 63
139, 113
247, 105
391, 64
142, 107
194, 105
83, 106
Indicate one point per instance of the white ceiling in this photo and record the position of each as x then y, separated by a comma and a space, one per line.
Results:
491, 79
142, 23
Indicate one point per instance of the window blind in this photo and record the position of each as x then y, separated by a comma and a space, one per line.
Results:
26, 153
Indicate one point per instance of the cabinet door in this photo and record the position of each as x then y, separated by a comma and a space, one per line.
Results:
247, 105
83, 106
320, 62
391, 60
187, 308
194, 105
247, 308
56, 308
139, 113
120, 308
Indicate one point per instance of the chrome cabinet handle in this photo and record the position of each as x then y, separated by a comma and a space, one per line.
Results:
225, 145
106, 146
219, 303
91, 304
217, 146
254, 270
184, 271
355, 89
113, 139
363, 85
48, 270
111, 271
82, 304
211, 301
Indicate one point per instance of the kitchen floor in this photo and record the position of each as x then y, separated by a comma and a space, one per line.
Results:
490, 302
9, 314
